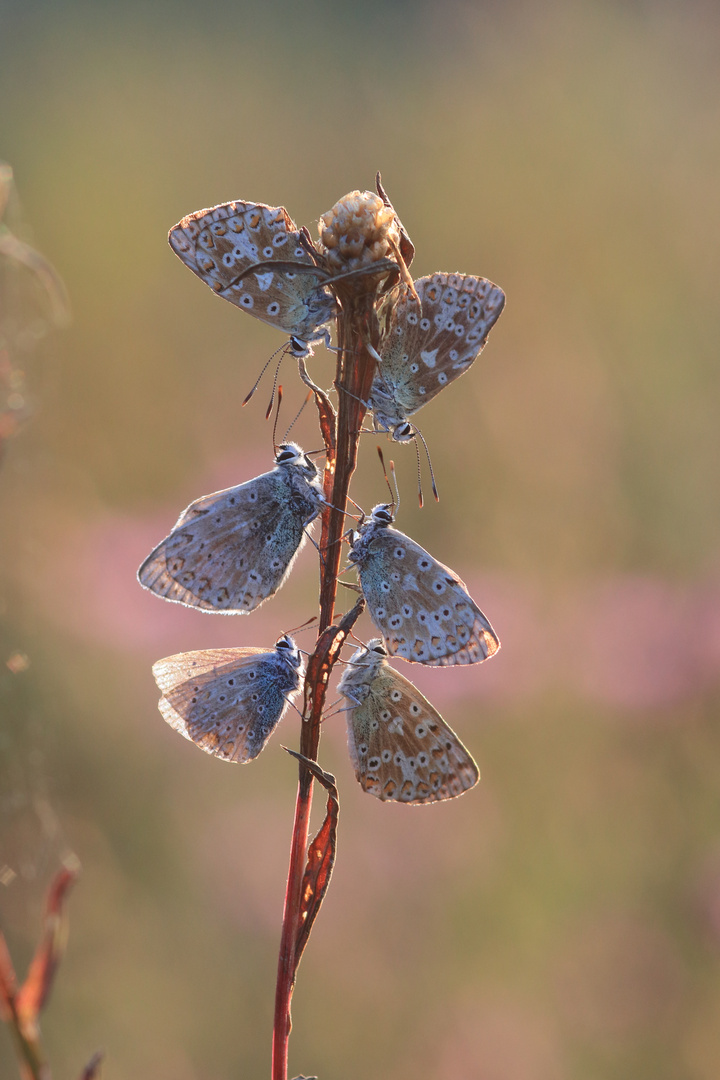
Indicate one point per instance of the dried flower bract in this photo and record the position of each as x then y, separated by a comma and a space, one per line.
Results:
358, 231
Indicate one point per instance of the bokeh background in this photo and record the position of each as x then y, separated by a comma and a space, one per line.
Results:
563, 919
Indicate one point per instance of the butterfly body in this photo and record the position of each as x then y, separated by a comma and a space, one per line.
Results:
229, 701
422, 608
400, 746
423, 351
223, 243
232, 550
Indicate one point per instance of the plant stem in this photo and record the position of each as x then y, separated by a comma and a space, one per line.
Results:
355, 368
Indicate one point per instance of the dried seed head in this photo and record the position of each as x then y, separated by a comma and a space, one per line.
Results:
358, 231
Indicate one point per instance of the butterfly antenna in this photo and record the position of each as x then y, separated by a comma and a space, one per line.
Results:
395, 501
310, 394
397, 489
417, 456
419, 436
266, 365
272, 396
302, 626
277, 414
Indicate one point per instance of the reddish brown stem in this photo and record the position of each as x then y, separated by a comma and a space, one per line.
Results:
356, 324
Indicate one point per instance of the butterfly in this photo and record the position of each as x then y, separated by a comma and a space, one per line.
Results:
223, 243
422, 608
229, 701
232, 550
400, 746
424, 350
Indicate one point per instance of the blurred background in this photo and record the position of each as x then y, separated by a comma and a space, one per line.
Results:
563, 919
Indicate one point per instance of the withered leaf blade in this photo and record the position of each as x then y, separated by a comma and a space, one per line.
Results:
326, 412
326, 652
7, 983
34, 992
92, 1069
320, 858
407, 248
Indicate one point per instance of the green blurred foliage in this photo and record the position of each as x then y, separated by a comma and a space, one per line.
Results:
563, 919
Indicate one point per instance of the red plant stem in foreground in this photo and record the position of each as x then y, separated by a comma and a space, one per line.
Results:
356, 323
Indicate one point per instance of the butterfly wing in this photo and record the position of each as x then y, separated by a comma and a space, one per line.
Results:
400, 746
220, 243
227, 701
232, 550
424, 351
422, 608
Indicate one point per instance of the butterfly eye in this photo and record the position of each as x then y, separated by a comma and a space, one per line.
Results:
403, 432
382, 514
379, 650
286, 455
298, 347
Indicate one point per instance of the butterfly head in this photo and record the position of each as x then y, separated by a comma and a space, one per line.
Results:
301, 348
371, 653
361, 670
286, 647
383, 514
290, 454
